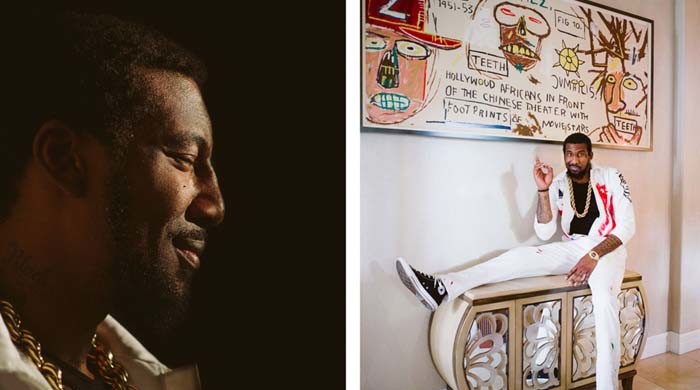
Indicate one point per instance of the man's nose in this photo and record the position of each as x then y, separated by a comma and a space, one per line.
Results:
388, 71
207, 209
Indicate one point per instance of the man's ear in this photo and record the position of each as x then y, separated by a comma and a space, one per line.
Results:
57, 151
590, 155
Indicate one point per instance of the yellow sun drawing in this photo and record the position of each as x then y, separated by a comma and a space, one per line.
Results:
568, 59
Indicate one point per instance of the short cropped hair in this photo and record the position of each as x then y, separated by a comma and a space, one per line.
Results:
81, 69
578, 138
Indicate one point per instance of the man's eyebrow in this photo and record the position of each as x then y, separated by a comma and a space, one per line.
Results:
185, 140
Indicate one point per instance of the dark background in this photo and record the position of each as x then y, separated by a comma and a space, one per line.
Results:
269, 300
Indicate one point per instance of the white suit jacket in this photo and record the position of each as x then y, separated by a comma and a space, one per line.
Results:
612, 195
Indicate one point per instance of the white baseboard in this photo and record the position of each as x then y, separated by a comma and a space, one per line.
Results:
673, 342
656, 345
682, 343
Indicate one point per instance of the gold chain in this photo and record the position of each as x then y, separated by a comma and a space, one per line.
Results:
573, 202
100, 361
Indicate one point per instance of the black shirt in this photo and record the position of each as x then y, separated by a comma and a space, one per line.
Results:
73, 379
583, 225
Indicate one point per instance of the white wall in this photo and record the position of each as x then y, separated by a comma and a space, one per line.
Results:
685, 317
447, 203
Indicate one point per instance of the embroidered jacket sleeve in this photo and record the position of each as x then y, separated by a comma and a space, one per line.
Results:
623, 210
545, 231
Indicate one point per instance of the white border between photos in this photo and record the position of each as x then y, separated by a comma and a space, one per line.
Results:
352, 195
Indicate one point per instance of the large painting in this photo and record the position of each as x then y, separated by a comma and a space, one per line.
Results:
517, 69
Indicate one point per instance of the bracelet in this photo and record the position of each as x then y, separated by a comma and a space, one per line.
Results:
545, 190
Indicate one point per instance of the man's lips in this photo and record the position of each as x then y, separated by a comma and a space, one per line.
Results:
189, 250
190, 258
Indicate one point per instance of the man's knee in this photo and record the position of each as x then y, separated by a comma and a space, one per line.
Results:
605, 281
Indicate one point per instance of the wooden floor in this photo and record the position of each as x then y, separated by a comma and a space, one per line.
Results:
669, 372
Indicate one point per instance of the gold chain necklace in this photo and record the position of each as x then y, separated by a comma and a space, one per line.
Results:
573, 202
100, 361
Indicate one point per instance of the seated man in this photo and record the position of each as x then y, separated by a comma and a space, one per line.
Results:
592, 248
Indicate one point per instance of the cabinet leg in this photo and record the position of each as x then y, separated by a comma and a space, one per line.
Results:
627, 383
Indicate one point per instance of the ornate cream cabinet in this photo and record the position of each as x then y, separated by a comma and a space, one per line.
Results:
531, 333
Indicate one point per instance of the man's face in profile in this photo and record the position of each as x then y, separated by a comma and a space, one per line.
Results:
162, 198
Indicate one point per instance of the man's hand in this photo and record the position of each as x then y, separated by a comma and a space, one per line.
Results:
542, 179
581, 271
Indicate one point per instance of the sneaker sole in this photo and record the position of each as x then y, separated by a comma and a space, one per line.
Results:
409, 280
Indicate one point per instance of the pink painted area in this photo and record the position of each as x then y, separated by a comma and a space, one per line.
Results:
609, 211
603, 192
507, 11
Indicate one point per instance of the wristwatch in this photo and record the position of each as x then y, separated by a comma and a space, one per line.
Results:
594, 255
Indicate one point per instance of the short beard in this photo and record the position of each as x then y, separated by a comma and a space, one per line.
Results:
581, 174
145, 299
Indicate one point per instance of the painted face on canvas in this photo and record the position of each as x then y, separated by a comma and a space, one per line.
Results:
625, 98
522, 31
397, 72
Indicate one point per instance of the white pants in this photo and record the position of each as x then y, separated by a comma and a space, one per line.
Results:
556, 259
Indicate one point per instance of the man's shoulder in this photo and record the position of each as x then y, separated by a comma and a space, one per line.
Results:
604, 169
605, 172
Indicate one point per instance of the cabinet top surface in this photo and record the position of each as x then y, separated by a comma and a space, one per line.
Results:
524, 287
